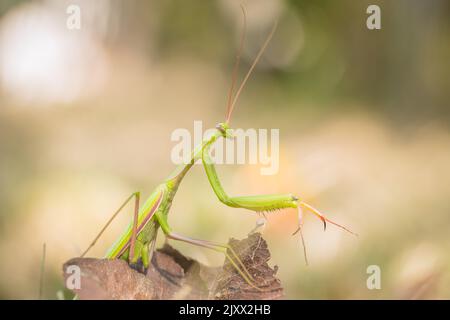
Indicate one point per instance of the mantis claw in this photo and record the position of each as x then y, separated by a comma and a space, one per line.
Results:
324, 219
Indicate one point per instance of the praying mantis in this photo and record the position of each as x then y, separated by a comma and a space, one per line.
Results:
138, 240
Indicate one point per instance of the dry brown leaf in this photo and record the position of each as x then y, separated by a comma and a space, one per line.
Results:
255, 255
171, 275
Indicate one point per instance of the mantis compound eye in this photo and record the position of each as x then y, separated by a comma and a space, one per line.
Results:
221, 128
225, 130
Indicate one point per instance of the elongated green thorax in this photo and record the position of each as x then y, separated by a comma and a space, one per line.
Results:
153, 214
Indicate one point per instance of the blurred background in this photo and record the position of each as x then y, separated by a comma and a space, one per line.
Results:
86, 117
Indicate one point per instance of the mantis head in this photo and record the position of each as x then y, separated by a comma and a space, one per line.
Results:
225, 130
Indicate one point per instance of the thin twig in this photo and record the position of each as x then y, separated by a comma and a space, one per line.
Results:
41, 277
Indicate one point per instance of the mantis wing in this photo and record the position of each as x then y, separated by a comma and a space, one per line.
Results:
145, 215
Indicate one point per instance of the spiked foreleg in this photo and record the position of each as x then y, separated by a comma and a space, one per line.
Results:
258, 203
261, 203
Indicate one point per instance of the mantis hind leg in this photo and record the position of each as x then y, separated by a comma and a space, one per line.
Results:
135, 195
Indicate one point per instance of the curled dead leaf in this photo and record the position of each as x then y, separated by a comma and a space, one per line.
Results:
171, 275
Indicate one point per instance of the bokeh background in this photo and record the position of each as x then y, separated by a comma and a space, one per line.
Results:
86, 117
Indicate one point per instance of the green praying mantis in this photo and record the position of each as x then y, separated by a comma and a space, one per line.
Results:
138, 240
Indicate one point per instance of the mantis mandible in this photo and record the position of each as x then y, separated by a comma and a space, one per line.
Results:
138, 240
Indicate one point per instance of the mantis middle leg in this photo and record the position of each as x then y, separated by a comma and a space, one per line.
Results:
226, 249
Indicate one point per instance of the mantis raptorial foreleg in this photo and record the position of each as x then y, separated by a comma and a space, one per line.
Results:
135, 195
258, 203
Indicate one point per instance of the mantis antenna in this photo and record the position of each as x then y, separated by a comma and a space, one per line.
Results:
236, 63
249, 72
